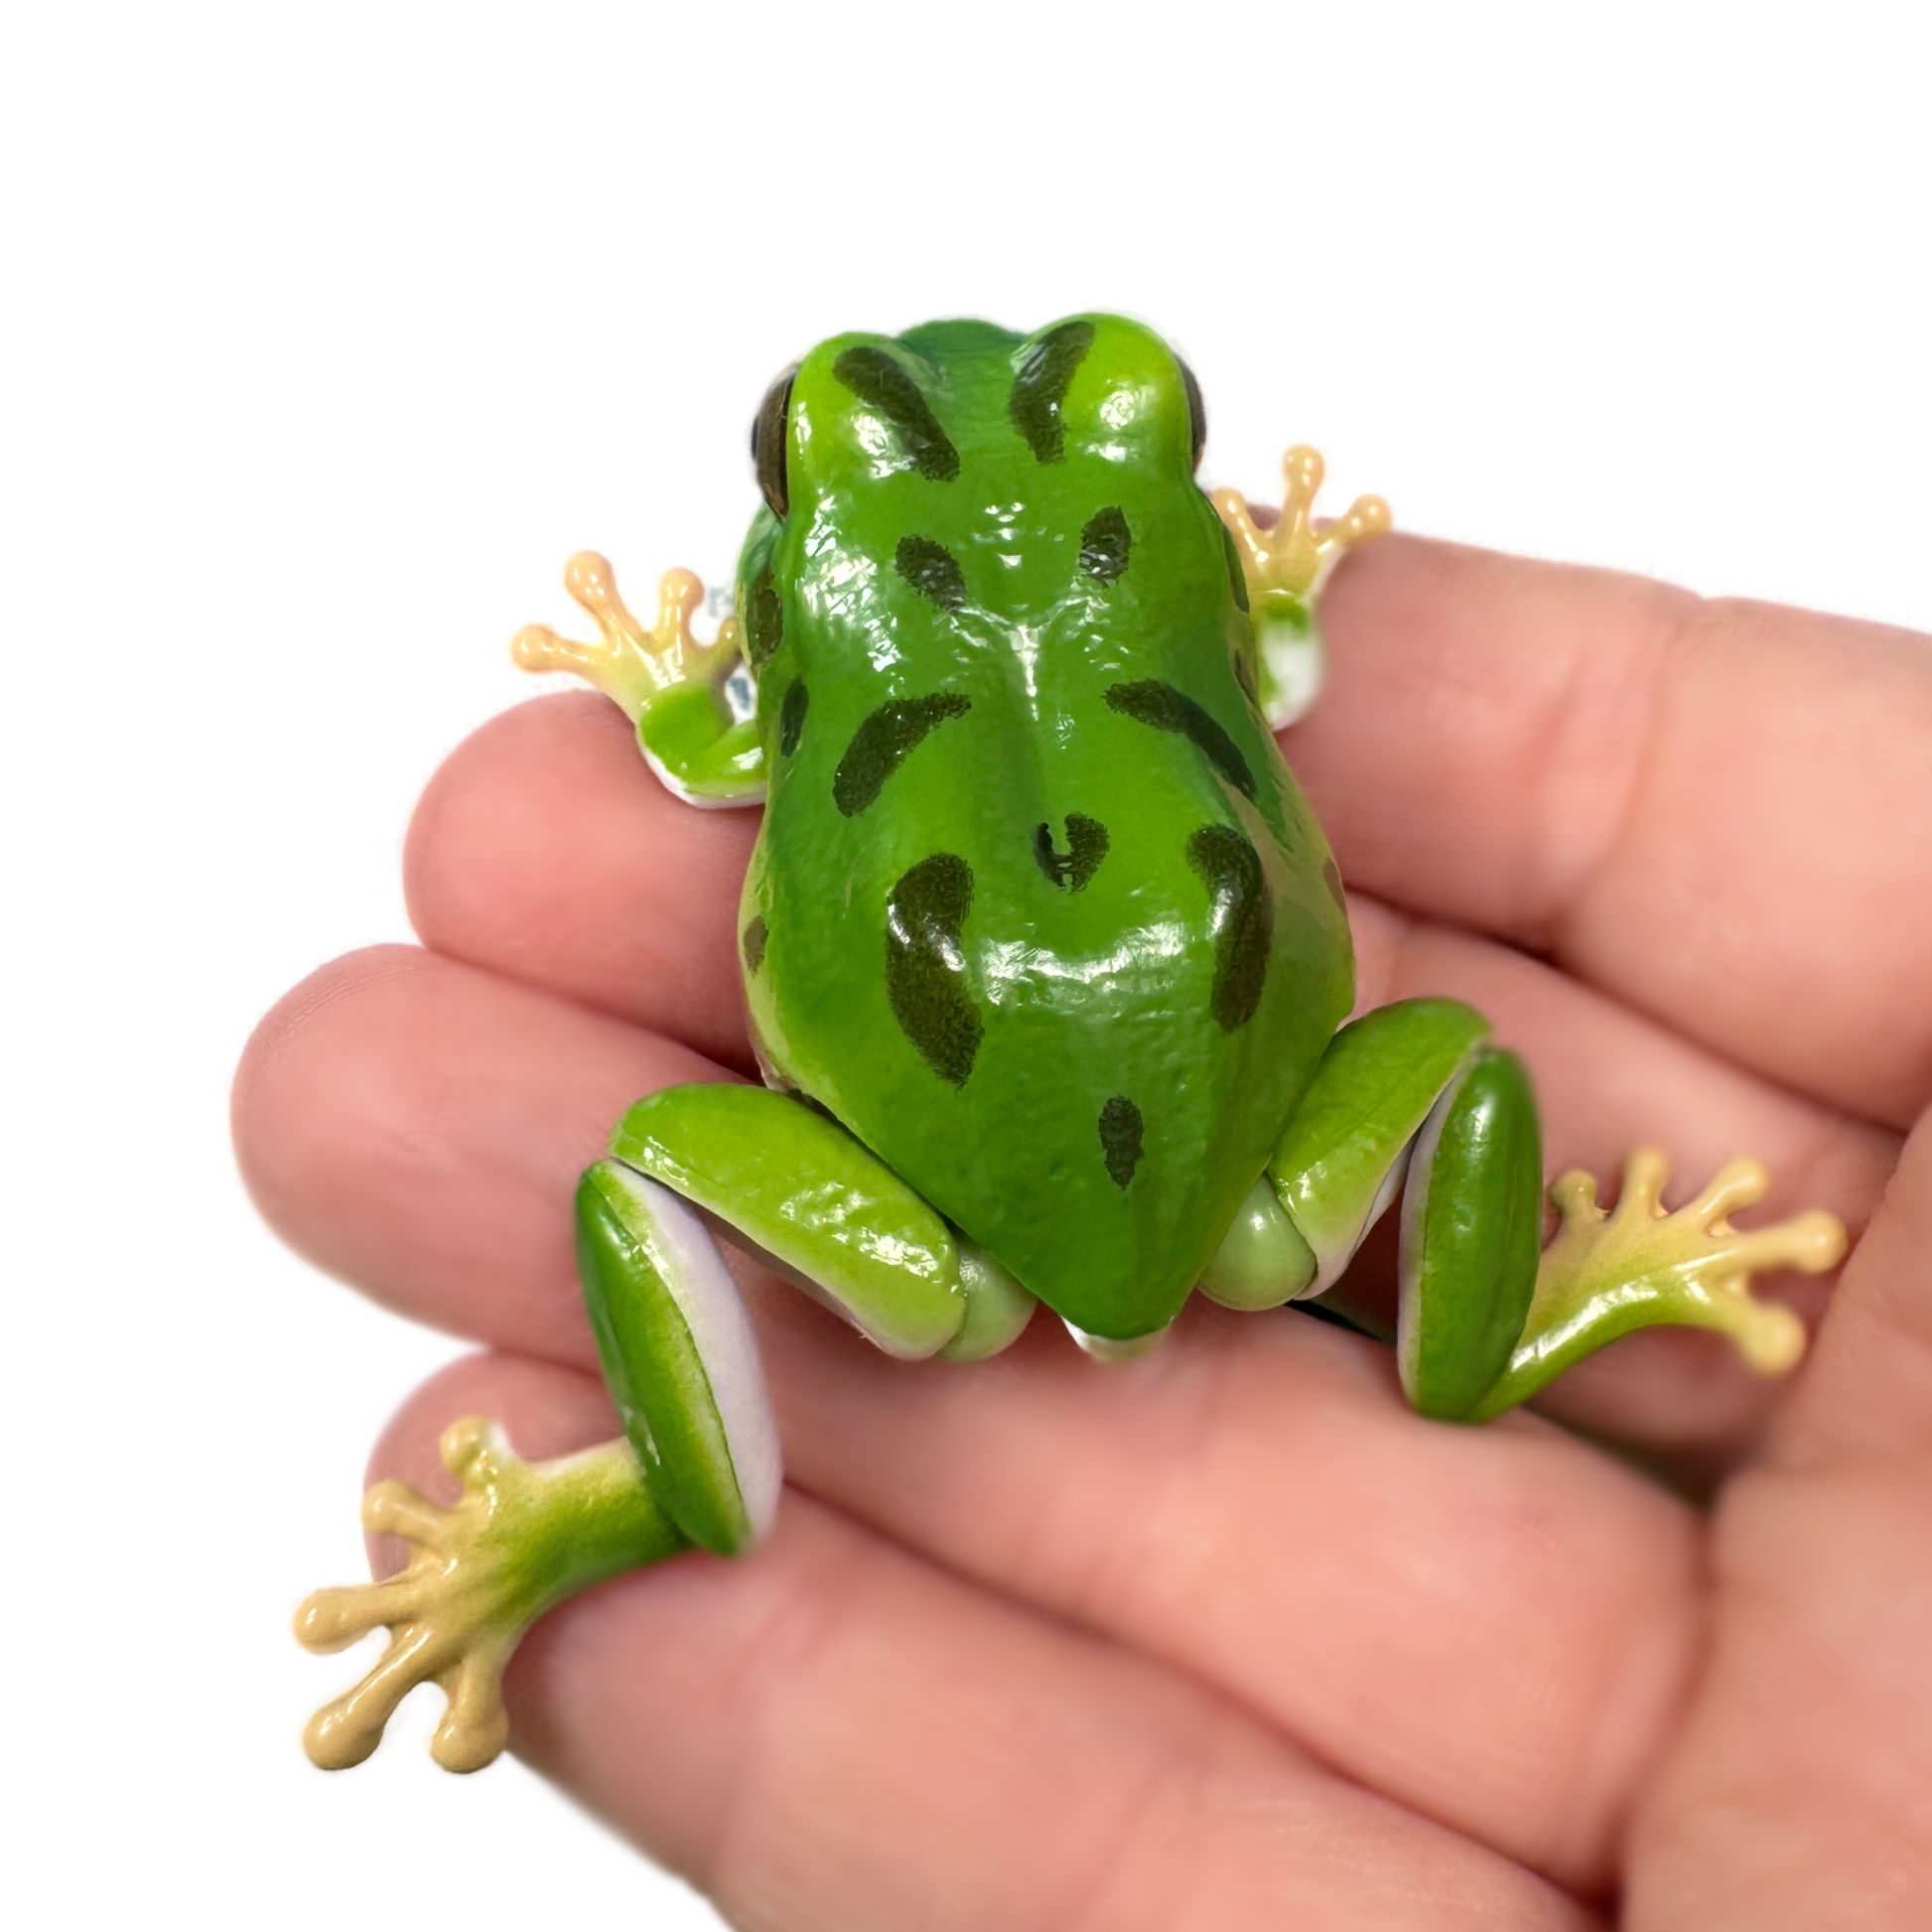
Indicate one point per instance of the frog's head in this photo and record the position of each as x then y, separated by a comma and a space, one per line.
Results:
961, 485
965, 399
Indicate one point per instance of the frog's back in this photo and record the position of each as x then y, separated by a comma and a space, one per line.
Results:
1038, 910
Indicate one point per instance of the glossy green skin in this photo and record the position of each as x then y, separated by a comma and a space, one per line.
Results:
1108, 992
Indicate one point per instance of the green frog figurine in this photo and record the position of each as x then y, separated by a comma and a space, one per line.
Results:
1047, 967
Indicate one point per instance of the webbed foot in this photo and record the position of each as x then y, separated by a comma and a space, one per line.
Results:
1608, 1272
523, 1537
1285, 568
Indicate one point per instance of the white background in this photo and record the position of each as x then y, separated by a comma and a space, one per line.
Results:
327, 333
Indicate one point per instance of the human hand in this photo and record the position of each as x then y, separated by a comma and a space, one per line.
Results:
1227, 1636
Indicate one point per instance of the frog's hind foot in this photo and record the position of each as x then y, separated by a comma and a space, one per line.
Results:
1609, 1272
1283, 568
520, 1539
440, 1628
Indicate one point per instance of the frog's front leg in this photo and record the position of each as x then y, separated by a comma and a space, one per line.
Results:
700, 1464
1283, 568
1413, 1093
671, 687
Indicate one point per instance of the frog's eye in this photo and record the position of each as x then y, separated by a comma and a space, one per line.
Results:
768, 444
1196, 410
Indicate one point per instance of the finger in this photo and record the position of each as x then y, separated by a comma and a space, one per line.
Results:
833, 1733
546, 850
1797, 1795
417, 1127
1426, 1679
1708, 810
1609, 1079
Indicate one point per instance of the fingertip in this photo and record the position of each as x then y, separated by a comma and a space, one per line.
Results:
543, 849
506, 787
268, 1108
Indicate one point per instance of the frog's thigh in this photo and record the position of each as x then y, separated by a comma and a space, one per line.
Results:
1410, 1090
678, 1351
1345, 1149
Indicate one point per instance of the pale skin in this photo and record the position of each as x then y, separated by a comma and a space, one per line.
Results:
1228, 1636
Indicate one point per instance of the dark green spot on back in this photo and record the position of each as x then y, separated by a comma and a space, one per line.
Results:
880, 745
925, 972
1332, 877
765, 622
752, 944
1087, 846
1105, 545
874, 377
791, 716
1243, 920
1040, 385
932, 570
1157, 703
1121, 1132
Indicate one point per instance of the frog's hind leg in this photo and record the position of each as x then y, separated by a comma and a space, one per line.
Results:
1412, 1094
790, 1184
700, 1464
677, 1347
1471, 1228
1343, 1154
700, 1467
1487, 1320
679, 1356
